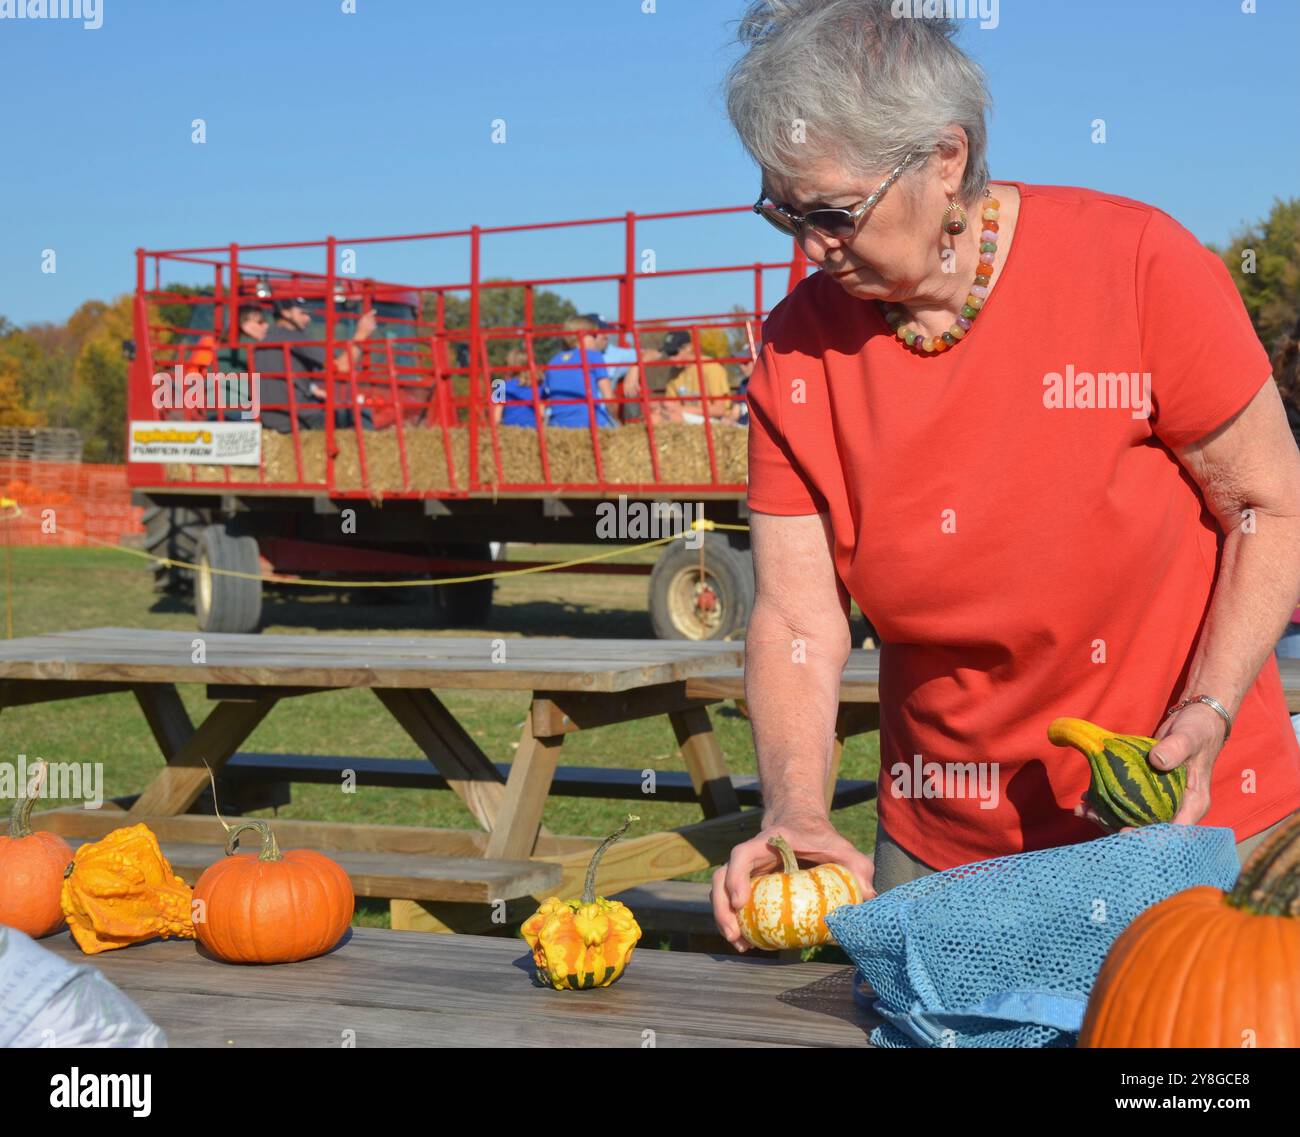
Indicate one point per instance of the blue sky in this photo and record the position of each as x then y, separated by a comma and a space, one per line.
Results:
380, 121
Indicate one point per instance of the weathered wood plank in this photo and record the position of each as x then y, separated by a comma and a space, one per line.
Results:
468, 771
664, 855
609, 782
1290, 670
859, 682
177, 786
19, 693
166, 715
228, 1021
627, 864
519, 820
482, 986
146, 656
468, 880
561, 712
672, 905
293, 671
328, 836
704, 762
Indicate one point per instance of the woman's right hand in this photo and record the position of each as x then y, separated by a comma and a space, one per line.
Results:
813, 839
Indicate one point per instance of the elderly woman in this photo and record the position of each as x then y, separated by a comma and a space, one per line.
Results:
1031, 431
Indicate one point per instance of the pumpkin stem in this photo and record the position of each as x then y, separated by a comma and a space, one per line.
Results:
1269, 884
589, 885
1087, 738
789, 863
270, 850
20, 820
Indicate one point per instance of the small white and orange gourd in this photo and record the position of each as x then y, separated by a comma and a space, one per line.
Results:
788, 909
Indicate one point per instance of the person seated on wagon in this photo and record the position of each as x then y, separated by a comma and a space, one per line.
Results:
622, 364
293, 318
564, 381
516, 391
678, 348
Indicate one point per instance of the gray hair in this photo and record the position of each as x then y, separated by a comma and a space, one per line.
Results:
869, 86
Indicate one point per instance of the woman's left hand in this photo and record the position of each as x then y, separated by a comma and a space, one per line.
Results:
1193, 737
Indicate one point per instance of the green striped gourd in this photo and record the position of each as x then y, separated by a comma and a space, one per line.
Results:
1126, 789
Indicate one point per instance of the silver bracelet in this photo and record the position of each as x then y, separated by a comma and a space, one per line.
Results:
1210, 702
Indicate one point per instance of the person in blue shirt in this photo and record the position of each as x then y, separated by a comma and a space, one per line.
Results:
518, 388
566, 378
624, 367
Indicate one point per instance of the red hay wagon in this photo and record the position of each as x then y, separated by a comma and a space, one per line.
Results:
383, 455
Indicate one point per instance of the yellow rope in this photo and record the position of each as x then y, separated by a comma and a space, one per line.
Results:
698, 524
282, 580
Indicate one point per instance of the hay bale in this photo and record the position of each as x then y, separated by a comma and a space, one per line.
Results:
684, 452
426, 459
625, 457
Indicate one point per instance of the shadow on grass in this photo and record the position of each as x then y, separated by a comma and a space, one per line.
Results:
365, 612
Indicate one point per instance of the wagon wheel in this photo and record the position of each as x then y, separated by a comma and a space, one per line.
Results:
689, 604
173, 533
227, 603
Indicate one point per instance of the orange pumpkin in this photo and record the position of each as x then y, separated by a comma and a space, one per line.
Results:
271, 907
31, 870
1206, 968
789, 908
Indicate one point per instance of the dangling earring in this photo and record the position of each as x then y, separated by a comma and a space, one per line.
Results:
954, 218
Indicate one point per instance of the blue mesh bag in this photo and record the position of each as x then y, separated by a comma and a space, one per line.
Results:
1004, 952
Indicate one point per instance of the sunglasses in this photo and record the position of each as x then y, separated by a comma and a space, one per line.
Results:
839, 224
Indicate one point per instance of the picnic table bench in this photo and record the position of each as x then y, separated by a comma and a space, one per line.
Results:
573, 685
384, 988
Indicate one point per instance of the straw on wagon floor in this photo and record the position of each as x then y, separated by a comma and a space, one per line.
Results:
625, 456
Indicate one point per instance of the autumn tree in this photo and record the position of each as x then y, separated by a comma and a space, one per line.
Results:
1264, 260
18, 355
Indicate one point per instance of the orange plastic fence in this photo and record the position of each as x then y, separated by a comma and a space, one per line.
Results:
66, 503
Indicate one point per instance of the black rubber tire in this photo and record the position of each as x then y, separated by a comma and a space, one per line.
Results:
173, 533
728, 568
227, 603
466, 605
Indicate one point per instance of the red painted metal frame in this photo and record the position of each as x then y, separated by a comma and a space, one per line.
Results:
422, 392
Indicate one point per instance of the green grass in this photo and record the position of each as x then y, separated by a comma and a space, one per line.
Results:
63, 589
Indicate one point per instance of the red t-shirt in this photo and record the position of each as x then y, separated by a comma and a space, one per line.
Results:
1024, 554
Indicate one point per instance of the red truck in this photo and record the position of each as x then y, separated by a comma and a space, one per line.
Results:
390, 462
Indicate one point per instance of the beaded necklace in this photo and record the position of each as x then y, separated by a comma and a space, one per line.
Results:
896, 314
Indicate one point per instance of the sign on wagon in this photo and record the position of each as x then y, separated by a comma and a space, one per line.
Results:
214, 443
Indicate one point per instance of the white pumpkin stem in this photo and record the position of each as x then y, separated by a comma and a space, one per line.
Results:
789, 863
216, 808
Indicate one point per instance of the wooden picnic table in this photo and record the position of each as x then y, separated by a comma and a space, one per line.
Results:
860, 683
385, 988
573, 684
